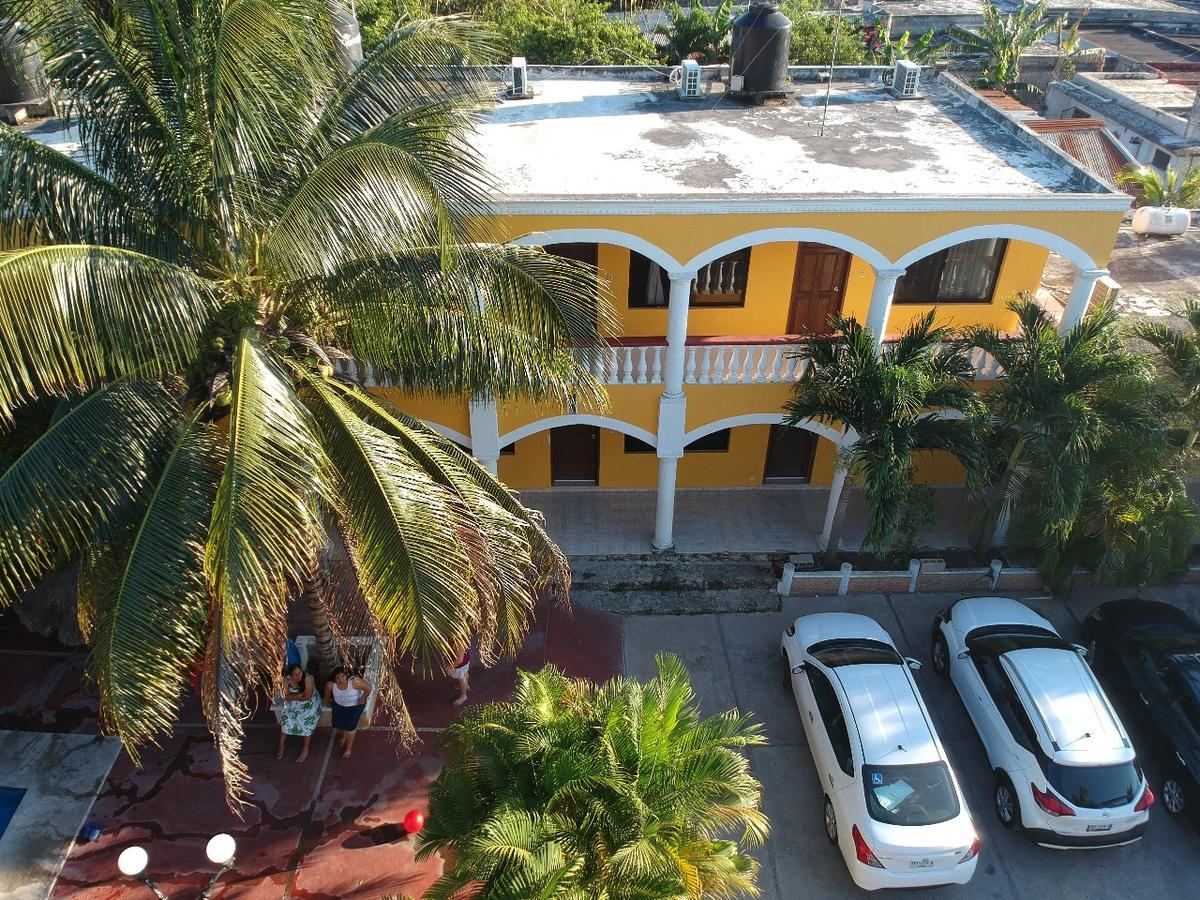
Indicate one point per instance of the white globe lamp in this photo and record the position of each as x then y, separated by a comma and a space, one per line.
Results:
133, 861
221, 848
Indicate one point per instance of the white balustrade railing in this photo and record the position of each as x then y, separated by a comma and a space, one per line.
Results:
702, 364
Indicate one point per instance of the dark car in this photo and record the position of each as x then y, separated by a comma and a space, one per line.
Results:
1151, 652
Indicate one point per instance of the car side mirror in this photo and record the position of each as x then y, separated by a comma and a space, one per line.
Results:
914, 664
964, 654
1080, 649
796, 670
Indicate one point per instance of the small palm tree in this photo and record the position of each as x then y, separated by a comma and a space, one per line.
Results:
1157, 189
246, 212
1003, 39
1178, 357
1060, 398
580, 791
896, 403
1070, 53
925, 50
696, 31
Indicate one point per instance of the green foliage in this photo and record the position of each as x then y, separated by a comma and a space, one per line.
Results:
577, 791
250, 211
1177, 355
1078, 427
376, 18
566, 32
813, 36
1173, 189
925, 50
1002, 40
888, 399
696, 31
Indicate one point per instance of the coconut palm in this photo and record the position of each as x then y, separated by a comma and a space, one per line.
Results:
1156, 189
896, 402
242, 206
1177, 351
1059, 399
1002, 40
574, 790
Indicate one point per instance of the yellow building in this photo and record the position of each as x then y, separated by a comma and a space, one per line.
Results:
724, 231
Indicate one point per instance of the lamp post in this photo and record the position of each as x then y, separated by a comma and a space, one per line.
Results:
220, 851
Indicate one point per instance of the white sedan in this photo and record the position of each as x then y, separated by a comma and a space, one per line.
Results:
892, 804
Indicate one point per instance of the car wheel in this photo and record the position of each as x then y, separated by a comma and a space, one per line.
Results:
1008, 807
940, 655
830, 822
1172, 795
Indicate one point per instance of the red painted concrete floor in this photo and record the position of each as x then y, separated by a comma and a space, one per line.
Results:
325, 828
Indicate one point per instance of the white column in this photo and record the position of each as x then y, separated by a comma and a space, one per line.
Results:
672, 409
1081, 296
881, 302
485, 433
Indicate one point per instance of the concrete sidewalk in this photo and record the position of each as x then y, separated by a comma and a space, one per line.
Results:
774, 519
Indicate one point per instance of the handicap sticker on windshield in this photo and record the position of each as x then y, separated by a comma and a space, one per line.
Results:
876, 778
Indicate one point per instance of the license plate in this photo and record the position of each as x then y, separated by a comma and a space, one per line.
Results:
1107, 826
926, 863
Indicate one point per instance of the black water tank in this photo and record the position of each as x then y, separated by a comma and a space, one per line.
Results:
762, 37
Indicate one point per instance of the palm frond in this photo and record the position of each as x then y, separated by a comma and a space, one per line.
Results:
78, 481
124, 312
143, 604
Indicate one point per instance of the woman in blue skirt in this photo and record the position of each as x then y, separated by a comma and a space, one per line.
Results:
348, 696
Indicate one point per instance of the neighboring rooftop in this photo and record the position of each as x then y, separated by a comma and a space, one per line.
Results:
627, 137
921, 14
1148, 105
1086, 141
1145, 45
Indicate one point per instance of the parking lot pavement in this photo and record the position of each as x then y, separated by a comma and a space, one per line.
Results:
734, 660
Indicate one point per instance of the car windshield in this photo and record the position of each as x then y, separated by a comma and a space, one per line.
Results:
1096, 787
910, 795
854, 652
997, 639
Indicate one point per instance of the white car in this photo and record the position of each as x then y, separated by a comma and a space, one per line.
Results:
892, 803
1065, 769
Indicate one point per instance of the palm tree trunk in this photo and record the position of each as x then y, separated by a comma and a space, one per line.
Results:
316, 586
838, 524
991, 522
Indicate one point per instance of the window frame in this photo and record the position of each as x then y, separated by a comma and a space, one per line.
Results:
941, 257
726, 432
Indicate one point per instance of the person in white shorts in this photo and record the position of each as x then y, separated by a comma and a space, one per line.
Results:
459, 674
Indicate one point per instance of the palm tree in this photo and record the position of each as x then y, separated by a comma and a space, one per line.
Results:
1156, 189
244, 205
580, 791
1060, 398
1002, 40
896, 404
1177, 353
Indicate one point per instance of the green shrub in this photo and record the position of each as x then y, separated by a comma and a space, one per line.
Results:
566, 32
695, 30
812, 36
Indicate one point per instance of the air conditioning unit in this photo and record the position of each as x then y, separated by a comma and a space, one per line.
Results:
906, 79
518, 86
689, 80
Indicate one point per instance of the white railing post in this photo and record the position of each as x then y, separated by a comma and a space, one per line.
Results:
881, 303
1080, 297
672, 410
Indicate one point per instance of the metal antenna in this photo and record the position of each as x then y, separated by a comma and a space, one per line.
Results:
837, 31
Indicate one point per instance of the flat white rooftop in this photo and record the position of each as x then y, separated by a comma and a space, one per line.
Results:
621, 138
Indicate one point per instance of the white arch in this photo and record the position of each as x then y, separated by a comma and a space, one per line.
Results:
600, 236
773, 235
578, 419
1057, 243
457, 436
761, 419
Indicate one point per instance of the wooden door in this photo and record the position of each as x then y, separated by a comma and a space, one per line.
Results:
575, 455
790, 454
817, 289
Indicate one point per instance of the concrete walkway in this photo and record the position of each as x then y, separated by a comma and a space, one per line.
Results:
601, 521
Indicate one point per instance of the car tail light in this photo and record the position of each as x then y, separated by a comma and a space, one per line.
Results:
972, 853
862, 851
1051, 804
1146, 800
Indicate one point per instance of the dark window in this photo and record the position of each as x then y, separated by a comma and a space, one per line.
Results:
1095, 787
633, 445
1010, 708
723, 281
717, 442
1161, 160
964, 273
649, 286
854, 652
833, 717
910, 795
508, 450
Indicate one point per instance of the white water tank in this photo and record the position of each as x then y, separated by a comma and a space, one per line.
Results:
1161, 220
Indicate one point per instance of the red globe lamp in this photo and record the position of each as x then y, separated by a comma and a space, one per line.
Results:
413, 821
